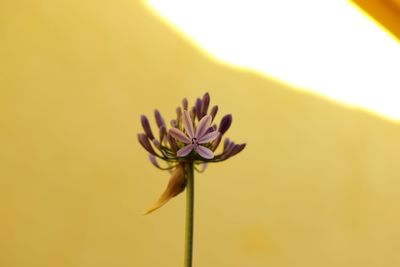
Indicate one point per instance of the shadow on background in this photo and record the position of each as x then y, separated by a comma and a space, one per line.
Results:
318, 184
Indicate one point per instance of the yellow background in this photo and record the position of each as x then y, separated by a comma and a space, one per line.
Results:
318, 184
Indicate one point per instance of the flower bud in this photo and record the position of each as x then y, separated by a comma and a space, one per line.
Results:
163, 133
193, 113
205, 104
153, 161
225, 123
144, 141
157, 144
146, 127
159, 119
236, 149
214, 111
172, 143
198, 108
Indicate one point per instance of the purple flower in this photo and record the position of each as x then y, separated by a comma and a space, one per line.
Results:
191, 130
195, 139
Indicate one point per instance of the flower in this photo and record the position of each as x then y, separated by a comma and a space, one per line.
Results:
195, 139
192, 130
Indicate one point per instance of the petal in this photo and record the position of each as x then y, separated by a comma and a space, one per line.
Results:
204, 152
203, 125
188, 124
179, 135
208, 137
185, 150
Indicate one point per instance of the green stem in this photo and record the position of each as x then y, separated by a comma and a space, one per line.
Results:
189, 215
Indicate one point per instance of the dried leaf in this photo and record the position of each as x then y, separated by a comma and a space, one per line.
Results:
176, 185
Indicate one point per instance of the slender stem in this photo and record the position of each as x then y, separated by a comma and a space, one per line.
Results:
189, 215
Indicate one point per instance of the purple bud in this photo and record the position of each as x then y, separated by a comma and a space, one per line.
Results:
193, 113
198, 108
144, 141
157, 144
236, 149
146, 127
153, 160
185, 104
172, 143
163, 133
205, 104
159, 119
214, 112
228, 149
228, 145
225, 123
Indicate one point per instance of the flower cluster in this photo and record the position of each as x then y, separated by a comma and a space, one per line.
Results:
192, 139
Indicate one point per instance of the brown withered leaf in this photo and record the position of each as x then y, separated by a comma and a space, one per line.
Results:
176, 185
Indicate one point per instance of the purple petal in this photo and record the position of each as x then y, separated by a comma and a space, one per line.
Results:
203, 126
204, 152
179, 135
184, 151
208, 137
188, 124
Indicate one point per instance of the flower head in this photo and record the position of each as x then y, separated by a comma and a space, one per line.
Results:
192, 139
195, 139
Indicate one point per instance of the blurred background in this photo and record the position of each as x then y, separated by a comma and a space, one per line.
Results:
317, 185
